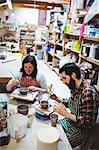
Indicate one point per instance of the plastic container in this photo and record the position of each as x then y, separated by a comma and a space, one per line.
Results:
67, 28
92, 30
18, 125
92, 51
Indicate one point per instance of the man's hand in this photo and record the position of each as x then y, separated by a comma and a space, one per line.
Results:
61, 109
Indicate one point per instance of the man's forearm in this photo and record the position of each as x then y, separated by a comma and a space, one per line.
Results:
70, 116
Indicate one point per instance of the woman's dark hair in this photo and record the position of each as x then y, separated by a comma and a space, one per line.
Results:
32, 60
69, 68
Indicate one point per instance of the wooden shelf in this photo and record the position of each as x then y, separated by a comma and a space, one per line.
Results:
60, 44
71, 34
75, 51
27, 36
89, 59
91, 38
27, 39
51, 53
56, 70
49, 64
58, 56
52, 42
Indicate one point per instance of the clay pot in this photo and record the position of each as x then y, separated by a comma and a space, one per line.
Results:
23, 90
54, 119
44, 104
23, 109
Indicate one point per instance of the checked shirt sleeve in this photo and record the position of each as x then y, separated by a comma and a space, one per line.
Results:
87, 108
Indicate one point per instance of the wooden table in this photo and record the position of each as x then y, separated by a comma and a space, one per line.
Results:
29, 142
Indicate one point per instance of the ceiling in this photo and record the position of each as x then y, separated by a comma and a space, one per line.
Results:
39, 4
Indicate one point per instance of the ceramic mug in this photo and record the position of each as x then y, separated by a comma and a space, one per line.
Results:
23, 109
3, 122
54, 119
44, 104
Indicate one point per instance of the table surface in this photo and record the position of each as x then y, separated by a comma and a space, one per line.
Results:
30, 140
10, 64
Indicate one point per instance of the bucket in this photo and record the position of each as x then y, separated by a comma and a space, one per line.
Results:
97, 53
92, 51
47, 138
18, 126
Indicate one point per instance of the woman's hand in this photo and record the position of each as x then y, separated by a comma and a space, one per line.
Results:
35, 89
15, 83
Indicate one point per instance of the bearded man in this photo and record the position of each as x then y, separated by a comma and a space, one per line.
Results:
83, 105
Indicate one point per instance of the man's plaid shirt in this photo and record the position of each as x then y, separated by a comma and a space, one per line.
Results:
87, 109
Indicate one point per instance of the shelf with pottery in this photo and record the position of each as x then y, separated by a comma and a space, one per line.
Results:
73, 50
95, 39
89, 59
57, 55
80, 13
55, 35
89, 50
72, 44
53, 53
27, 36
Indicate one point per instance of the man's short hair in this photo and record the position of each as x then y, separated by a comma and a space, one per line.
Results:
69, 68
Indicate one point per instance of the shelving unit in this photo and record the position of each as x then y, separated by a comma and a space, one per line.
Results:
9, 37
55, 34
73, 42
59, 50
27, 37
66, 50
88, 40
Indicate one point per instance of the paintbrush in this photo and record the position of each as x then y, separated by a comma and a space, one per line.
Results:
15, 77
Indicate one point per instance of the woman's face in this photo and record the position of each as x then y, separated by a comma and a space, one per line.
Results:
28, 68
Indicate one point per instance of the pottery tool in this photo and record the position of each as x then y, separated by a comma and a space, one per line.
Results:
14, 77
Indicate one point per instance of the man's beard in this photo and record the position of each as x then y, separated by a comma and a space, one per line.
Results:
72, 84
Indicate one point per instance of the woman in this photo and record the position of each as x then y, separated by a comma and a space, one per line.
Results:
29, 76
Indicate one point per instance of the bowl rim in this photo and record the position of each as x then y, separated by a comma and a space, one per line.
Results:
24, 105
